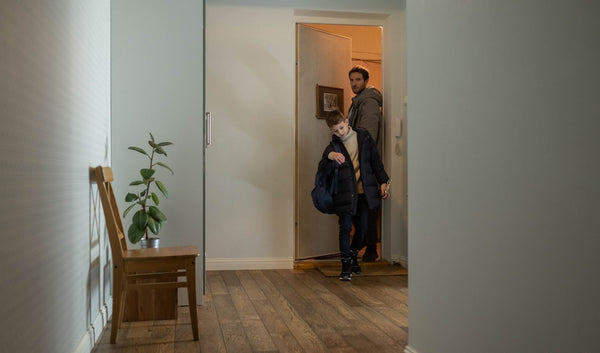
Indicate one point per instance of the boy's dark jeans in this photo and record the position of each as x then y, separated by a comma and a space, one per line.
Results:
361, 224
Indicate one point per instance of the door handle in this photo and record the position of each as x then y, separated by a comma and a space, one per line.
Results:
208, 129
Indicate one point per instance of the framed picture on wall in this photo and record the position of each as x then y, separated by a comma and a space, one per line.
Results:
328, 99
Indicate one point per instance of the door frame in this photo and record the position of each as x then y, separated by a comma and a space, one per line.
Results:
354, 19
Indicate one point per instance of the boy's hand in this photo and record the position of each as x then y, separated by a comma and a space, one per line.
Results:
338, 157
385, 193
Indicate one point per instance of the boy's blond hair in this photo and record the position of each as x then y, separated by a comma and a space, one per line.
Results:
334, 117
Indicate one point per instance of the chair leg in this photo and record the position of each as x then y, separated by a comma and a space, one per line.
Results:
118, 305
191, 289
122, 311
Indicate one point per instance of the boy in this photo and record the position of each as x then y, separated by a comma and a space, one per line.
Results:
362, 183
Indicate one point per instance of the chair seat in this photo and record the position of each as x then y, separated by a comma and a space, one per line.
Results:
159, 259
163, 253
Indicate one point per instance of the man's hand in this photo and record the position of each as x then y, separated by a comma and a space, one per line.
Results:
385, 193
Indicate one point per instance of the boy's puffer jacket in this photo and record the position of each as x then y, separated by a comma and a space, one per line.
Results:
371, 170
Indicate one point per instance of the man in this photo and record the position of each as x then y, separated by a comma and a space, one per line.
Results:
365, 112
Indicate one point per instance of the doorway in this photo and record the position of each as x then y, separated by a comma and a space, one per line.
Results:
325, 54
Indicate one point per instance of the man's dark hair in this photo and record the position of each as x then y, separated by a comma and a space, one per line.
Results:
334, 117
360, 69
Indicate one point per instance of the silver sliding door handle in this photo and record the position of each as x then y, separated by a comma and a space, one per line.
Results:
208, 129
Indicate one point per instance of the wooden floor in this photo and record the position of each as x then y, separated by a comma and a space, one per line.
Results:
272, 311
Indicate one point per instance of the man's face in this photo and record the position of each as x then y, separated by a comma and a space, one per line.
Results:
357, 82
340, 130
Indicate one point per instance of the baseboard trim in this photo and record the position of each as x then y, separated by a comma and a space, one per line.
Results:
407, 349
94, 331
253, 263
97, 326
101, 320
402, 260
107, 311
86, 344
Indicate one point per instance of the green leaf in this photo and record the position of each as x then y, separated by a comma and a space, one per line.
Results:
152, 137
135, 234
160, 150
128, 209
147, 173
154, 225
140, 219
165, 143
155, 213
152, 144
136, 182
155, 199
131, 197
140, 150
143, 193
162, 188
165, 166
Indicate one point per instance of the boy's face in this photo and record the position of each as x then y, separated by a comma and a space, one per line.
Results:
340, 130
357, 82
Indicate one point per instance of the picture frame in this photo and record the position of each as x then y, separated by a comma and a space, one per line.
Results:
328, 99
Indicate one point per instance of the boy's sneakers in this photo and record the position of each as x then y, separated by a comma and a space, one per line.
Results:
346, 274
370, 254
354, 261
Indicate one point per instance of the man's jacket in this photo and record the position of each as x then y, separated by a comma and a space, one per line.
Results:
365, 112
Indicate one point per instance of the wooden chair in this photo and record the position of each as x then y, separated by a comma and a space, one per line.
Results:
164, 264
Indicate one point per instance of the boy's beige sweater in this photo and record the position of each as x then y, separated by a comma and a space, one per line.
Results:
351, 143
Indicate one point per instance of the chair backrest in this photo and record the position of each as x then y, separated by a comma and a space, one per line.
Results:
116, 236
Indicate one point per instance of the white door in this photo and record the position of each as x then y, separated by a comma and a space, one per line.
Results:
322, 59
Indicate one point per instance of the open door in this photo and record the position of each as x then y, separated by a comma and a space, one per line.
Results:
322, 59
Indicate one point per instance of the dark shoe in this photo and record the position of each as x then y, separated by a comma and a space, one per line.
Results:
370, 254
354, 261
346, 274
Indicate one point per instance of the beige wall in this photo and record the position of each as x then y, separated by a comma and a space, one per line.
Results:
259, 41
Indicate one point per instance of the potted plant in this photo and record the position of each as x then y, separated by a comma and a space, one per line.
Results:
149, 217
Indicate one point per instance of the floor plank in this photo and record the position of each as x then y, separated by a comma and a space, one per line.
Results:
279, 311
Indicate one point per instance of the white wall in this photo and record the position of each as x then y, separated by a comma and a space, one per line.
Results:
54, 127
266, 54
157, 86
504, 176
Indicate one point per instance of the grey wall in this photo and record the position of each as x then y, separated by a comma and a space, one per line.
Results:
54, 127
503, 176
157, 80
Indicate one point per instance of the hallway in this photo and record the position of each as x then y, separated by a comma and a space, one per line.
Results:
280, 311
